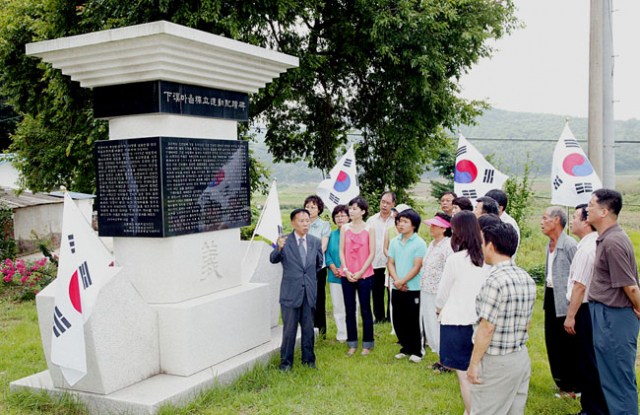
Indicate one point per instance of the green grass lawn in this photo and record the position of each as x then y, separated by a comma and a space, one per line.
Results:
374, 384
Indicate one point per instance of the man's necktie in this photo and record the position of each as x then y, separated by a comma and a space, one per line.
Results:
303, 252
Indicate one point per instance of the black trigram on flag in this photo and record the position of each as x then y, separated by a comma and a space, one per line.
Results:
335, 199
571, 143
84, 273
72, 244
488, 176
461, 151
60, 324
556, 183
472, 194
584, 188
347, 163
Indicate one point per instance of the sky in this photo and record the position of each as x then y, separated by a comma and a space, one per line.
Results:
544, 67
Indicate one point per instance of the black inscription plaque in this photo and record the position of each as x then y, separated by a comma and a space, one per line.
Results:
168, 186
166, 97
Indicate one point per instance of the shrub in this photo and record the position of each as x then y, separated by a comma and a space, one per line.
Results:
519, 190
8, 248
537, 272
24, 279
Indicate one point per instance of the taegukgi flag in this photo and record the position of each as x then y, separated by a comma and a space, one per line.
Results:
474, 176
341, 185
573, 179
270, 224
83, 269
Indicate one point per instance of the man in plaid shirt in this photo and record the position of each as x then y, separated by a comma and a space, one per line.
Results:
500, 368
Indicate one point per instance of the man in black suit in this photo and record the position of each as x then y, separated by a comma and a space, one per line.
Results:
301, 257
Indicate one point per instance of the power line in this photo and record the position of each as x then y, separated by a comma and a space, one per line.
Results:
546, 140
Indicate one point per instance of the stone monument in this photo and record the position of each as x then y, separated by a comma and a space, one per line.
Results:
173, 191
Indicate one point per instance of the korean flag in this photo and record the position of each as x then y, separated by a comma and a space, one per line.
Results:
474, 176
342, 184
85, 266
573, 179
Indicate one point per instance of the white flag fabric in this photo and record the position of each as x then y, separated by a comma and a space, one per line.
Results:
342, 183
220, 198
474, 176
83, 269
573, 179
270, 223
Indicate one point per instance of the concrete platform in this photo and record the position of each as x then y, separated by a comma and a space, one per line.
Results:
149, 395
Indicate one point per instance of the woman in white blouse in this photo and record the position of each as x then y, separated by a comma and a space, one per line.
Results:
464, 274
432, 269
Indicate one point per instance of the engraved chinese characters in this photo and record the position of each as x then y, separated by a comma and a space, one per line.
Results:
169, 98
166, 186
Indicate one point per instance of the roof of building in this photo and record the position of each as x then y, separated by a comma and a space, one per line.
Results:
26, 199
74, 195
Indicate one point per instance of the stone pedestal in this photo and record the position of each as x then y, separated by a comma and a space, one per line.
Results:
200, 333
172, 270
121, 338
183, 306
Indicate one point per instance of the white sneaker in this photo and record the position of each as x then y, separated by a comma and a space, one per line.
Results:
400, 356
415, 359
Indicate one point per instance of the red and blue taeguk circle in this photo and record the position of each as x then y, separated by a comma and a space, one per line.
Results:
343, 182
466, 172
577, 165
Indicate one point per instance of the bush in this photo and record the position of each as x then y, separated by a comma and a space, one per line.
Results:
537, 272
8, 248
24, 279
519, 190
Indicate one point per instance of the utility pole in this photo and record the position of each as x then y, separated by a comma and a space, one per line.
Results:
601, 135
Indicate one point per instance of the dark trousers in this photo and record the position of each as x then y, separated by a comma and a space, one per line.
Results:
406, 321
592, 398
320, 318
561, 348
615, 342
290, 319
377, 294
361, 288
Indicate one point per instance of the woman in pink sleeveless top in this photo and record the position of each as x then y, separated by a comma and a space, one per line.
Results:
357, 249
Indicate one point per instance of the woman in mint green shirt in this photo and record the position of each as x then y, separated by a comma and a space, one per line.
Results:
340, 216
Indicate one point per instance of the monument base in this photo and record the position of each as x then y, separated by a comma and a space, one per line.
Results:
149, 395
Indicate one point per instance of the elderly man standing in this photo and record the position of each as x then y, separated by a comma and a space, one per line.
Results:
614, 303
301, 257
578, 321
560, 345
446, 202
381, 221
505, 307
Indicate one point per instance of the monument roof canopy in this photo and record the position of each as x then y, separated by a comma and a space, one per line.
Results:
163, 51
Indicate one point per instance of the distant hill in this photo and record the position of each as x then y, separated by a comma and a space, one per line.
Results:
520, 127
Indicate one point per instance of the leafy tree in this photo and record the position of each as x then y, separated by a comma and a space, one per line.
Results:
8, 121
444, 163
388, 69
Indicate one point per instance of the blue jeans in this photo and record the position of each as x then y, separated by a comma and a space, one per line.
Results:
290, 319
363, 289
615, 341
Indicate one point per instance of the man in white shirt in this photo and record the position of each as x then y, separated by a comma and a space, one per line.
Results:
381, 222
578, 320
501, 197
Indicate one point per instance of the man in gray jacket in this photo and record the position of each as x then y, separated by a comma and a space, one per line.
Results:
561, 347
301, 257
